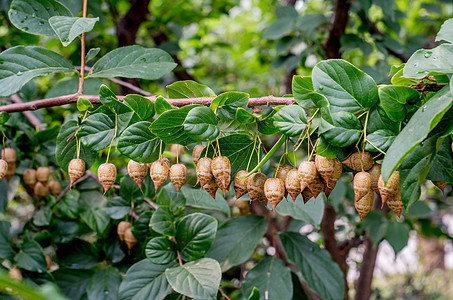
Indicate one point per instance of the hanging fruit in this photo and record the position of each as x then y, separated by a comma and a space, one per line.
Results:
391, 189
240, 185
55, 187
204, 173
292, 184
336, 174
274, 190
41, 190
121, 229
363, 205
159, 173
211, 187
3, 168
325, 167
43, 174
360, 161
107, 175
440, 184
308, 174
197, 152
30, 177
137, 171
375, 173
396, 204
178, 175
255, 187
244, 207
129, 238
76, 169
221, 170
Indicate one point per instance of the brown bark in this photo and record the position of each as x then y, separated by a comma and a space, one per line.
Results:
287, 87
363, 284
431, 253
332, 45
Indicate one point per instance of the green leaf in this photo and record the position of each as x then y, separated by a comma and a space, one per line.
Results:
169, 126
5, 249
442, 167
376, 225
145, 280
227, 104
92, 54
200, 124
42, 216
416, 130
236, 240
32, 16
397, 235
199, 198
142, 106
195, 234
323, 148
66, 148
290, 120
31, 257
162, 105
394, 98
345, 130
244, 116
83, 104
96, 219
188, 89
345, 87
169, 198
141, 229
446, 32
19, 65
4, 117
161, 251
68, 28
378, 119
97, 131
117, 208
73, 283
138, 143
78, 254
134, 62
381, 139
271, 277
398, 79
311, 212
129, 190
162, 222
317, 268
302, 87
104, 285
434, 61
198, 279
278, 29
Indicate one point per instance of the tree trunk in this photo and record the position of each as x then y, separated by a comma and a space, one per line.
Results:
363, 284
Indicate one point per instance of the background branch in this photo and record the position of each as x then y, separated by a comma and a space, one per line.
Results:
28, 114
340, 18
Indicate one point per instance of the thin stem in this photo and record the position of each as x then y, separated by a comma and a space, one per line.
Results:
271, 226
383, 152
223, 294
114, 136
177, 253
82, 52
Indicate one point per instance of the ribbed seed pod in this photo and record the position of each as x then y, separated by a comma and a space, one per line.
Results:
360, 161
197, 152
375, 172
325, 167
440, 184
393, 186
363, 205
30, 177
244, 207
204, 173
11, 171
3, 168
362, 184
307, 174
274, 190
317, 187
166, 161
255, 185
43, 174
129, 238
211, 187
396, 204
292, 184
10, 155
178, 175
121, 229
338, 169
281, 172
15, 274
240, 185
221, 170
137, 171
55, 187
307, 195
41, 189
219, 184
76, 169
107, 175
159, 173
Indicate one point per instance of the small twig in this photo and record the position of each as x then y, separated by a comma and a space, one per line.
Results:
223, 294
271, 226
28, 114
84, 177
150, 203
177, 252
82, 52
133, 215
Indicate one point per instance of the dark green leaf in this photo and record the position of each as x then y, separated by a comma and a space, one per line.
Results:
188, 89
161, 251
142, 106
134, 62
394, 98
446, 32
162, 105
323, 148
31, 257
96, 219
255, 294
73, 283
97, 131
201, 124
290, 120
311, 212
303, 90
104, 285
434, 61
139, 144
397, 235
199, 198
278, 29
78, 254
378, 119
442, 166
68, 28
344, 131
169, 198
42, 216
381, 139
376, 225
271, 277
117, 208
65, 231
5, 249
141, 229
69, 205
244, 116
227, 104
420, 210
236, 240
162, 221
198, 279
129, 190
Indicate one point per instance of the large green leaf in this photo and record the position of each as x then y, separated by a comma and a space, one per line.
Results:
104, 285
32, 16
381, 139
195, 234
310, 212
117, 208
73, 283
145, 280
141, 229
375, 224
317, 268
129, 190
68, 28
134, 62
96, 219
378, 119
278, 29
188, 89
162, 221
142, 106
97, 131
169, 198
271, 277
19, 65
227, 104
303, 91
323, 148
397, 235
138, 143
236, 240
446, 32
161, 251
198, 279
31, 257
345, 130
442, 167
290, 120
394, 98
169, 126
201, 124
416, 130
346, 87
5, 249
199, 198
434, 61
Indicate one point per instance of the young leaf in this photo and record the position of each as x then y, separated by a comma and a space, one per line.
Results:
104, 283
97, 131
161, 251
290, 120
434, 61
446, 32
83, 104
68, 28
4, 117
162, 105
254, 294
92, 54
303, 91
244, 116
139, 144
344, 131
134, 62
188, 89
228, 103
201, 124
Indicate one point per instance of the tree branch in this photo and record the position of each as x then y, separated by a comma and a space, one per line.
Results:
340, 18
28, 114
82, 52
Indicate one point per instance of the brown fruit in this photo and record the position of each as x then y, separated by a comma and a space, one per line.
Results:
137, 171
240, 185
48, 262
122, 226
129, 238
360, 161
292, 184
221, 170
317, 188
204, 173
211, 187
375, 172
197, 152
10, 155
307, 173
15, 274
11, 171
325, 167
307, 195
440, 184
274, 190
159, 173
396, 204
30, 177
363, 205
41, 189
3, 168
55, 187
282, 171
244, 207
76, 169
362, 184
178, 175
336, 174
107, 175
255, 185
165, 160
43, 174
391, 189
